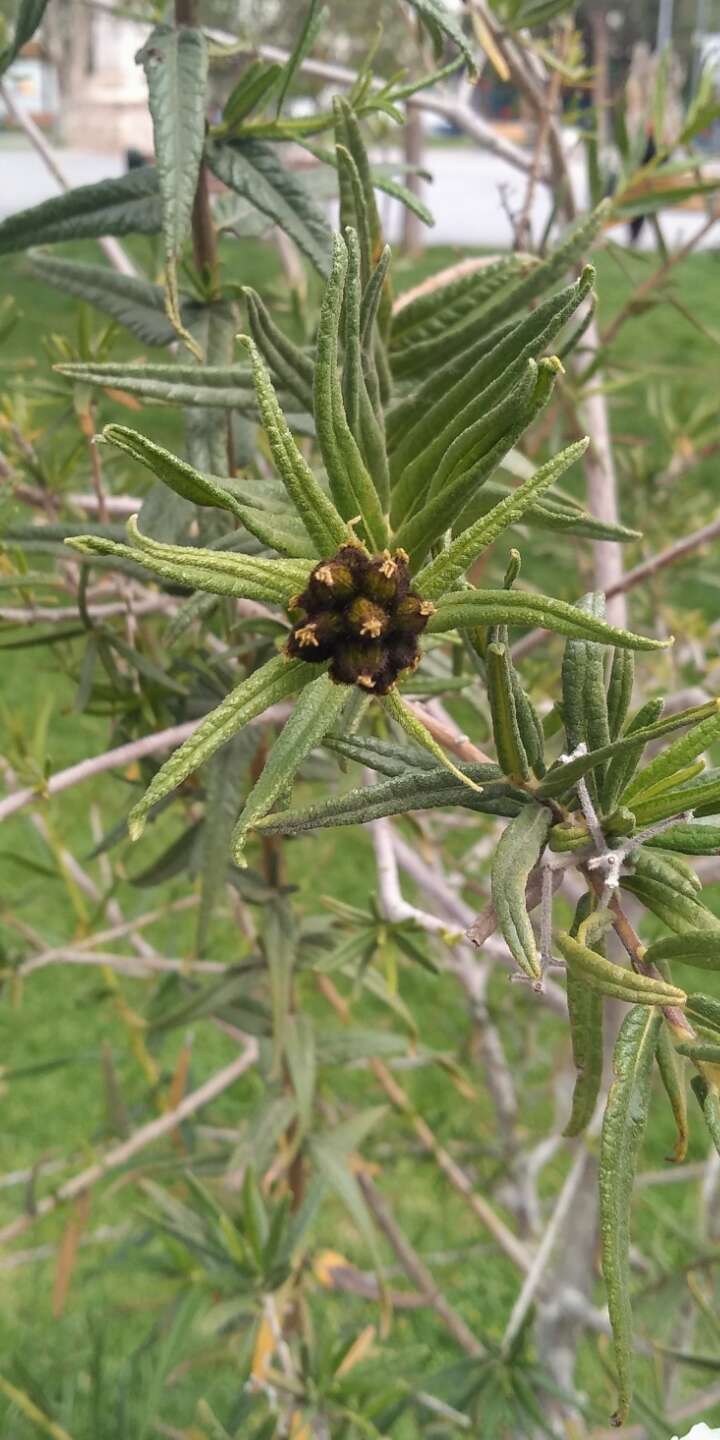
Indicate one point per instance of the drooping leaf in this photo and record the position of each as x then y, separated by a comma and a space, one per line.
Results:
219, 572
252, 169
709, 1102
622, 1133
520, 847
700, 948
441, 26
124, 205
617, 981
175, 61
134, 303
673, 1079
29, 16
315, 713
274, 681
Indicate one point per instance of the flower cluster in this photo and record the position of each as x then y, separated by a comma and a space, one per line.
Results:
360, 613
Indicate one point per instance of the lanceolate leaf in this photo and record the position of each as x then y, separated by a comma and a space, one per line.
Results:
673, 1079
631, 745
675, 757
688, 839
623, 1128
585, 1009
184, 479
125, 205
315, 713
511, 752
175, 61
29, 15
694, 947
679, 912
350, 484
398, 795
518, 851
274, 681
228, 387
442, 25
465, 609
709, 1102
218, 572
451, 564
322, 521
253, 170
134, 303
617, 981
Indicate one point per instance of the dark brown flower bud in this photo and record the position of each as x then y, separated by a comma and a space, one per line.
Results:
366, 619
357, 664
359, 612
412, 614
387, 577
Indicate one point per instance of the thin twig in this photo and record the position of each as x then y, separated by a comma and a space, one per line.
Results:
115, 759
148, 1134
417, 1271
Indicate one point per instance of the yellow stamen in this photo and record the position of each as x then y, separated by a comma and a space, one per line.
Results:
372, 626
324, 575
306, 635
366, 681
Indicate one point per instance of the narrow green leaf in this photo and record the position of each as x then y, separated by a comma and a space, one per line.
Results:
300, 1051
704, 1011
519, 849
465, 609
322, 521
175, 61
709, 1102
699, 948
675, 757
27, 20
679, 912
397, 796
689, 839
274, 681
409, 722
313, 23
623, 1128
448, 567
219, 572
585, 1009
617, 981
511, 753
134, 303
226, 387
442, 25
292, 366
124, 205
252, 169
673, 1079
253, 90
350, 484
620, 688
279, 948
221, 805
703, 797
315, 713
330, 1153
177, 474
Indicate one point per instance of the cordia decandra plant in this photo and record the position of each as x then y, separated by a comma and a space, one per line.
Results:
386, 434
371, 562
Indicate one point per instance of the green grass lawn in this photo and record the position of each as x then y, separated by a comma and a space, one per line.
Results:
68, 1014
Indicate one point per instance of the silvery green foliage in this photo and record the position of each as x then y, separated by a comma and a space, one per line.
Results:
387, 431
